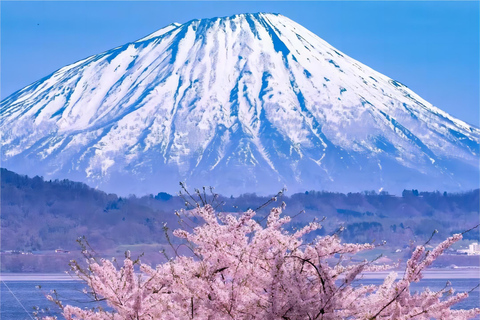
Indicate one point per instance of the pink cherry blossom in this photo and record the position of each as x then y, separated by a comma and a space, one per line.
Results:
240, 269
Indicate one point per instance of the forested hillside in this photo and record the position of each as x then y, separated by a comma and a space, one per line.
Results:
38, 217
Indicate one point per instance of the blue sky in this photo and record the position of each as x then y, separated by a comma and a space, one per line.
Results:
432, 47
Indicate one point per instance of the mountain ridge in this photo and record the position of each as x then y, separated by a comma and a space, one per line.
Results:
250, 102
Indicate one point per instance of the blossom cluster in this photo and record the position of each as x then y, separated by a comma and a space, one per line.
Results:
240, 269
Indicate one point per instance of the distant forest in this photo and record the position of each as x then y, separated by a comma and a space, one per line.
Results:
38, 217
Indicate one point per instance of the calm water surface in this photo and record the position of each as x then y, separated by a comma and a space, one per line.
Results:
70, 292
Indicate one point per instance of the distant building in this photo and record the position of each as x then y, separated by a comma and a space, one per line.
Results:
473, 249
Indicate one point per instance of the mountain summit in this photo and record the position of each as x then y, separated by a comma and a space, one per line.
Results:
247, 103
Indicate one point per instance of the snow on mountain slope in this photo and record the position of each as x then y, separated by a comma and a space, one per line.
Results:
247, 103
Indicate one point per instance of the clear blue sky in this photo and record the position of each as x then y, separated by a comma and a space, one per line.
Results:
432, 47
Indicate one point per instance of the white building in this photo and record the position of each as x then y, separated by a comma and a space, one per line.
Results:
473, 249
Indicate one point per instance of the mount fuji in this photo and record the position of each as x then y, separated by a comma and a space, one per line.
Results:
247, 103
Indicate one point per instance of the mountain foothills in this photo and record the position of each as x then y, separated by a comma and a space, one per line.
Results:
41, 216
251, 102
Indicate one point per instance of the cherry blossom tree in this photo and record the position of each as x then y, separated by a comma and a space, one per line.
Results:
240, 269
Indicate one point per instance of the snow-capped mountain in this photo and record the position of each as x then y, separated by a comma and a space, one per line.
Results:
247, 103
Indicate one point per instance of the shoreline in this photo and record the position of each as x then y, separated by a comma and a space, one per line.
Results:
37, 277
445, 274
457, 273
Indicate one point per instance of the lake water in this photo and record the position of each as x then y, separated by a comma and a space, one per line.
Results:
19, 294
